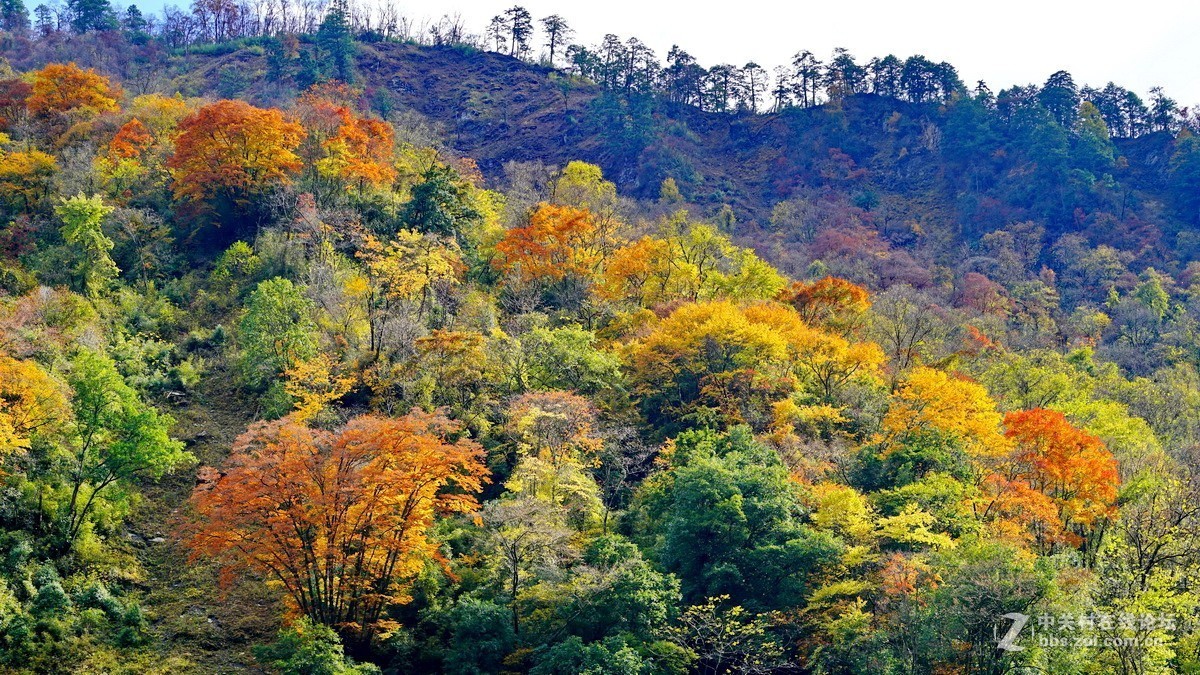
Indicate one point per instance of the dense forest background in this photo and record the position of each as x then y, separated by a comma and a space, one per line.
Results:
335, 343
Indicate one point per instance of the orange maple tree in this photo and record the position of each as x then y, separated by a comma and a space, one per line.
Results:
830, 302
1057, 484
234, 150
341, 145
559, 241
65, 88
1065, 463
639, 272
339, 518
131, 140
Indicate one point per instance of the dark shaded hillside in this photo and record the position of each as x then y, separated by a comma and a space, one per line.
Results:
917, 172
496, 109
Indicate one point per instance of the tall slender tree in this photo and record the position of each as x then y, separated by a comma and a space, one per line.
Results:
557, 32
520, 30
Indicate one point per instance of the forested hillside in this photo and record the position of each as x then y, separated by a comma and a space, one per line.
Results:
331, 346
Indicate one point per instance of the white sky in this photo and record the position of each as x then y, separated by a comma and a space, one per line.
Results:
1136, 43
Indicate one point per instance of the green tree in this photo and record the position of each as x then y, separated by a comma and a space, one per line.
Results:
90, 15
276, 332
1093, 146
481, 635
308, 648
557, 33
1060, 97
14, 18
627, 595
82, 218
1185, 177
612, 656
1147, 563
441, 204
567, 358
527, 536
520, 29
115, 437
134, 21
726, 518
954, 623
336, 39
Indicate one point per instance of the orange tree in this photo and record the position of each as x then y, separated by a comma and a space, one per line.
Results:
65, 92
229, 154
559, 249
343, 150
1065, 470
340, 518
833, 303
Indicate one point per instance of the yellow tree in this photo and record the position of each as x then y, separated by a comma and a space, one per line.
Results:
826, 361
25, 177
639, 273
1067, 472
30, 400
402, 270
710, 359
342, 148
134, 162
555, 434
829, 302
708, 265
932, 399
314, 384
582, 186
161, 114
689, 262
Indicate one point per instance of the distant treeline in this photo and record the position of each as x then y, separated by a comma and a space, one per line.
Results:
625, 66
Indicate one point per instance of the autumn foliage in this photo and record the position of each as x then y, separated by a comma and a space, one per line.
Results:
13, 96
25, 177
559, 241
1065, 463
700, 463
234, 150
29, 400
62, 88
343, 146
1058, 484
831, 302
341, 519
721, 356
131, 140
933, 399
